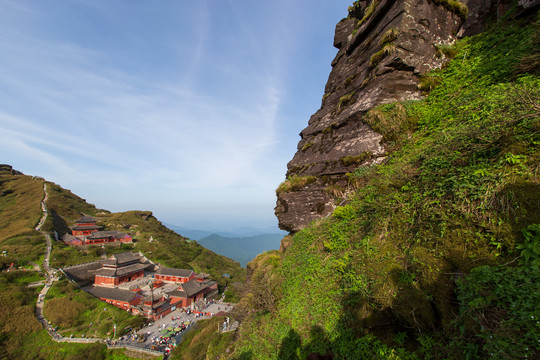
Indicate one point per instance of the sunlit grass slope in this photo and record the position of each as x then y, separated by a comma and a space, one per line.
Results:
20, 208
413, 265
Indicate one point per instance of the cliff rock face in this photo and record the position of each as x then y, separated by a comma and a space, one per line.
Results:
384, 47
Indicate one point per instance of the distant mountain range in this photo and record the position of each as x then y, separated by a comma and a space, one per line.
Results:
237, 232
241, 244
241, 249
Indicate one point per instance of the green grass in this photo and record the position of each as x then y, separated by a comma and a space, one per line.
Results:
203, 341
460, 185
39, 345
368, 12
22, 249
387, 49
455, 6
20, 208
67, 204
78, 313
295, 183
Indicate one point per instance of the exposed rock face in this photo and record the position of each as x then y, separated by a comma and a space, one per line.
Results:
378, 62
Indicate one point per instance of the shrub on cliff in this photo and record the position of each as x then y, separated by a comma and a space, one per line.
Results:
295, 183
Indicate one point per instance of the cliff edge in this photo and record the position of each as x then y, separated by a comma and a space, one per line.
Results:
384, 47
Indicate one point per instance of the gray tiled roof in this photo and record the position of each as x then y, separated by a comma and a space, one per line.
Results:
178, 293
68, 237
105, 234
174, 272
86, 219
191, 288
122, 258
113, 294
121, 271
83, 273
87, 227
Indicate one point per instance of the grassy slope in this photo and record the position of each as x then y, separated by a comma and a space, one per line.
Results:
20, 211
78, 313
203, 341
71, 309
21, 335
378, 278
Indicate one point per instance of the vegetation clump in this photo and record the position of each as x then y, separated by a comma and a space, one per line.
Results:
448, 50
386, 50
295, 183
351, 79
393, 121
387, 46
455, 6
428, 82
389, 36
367, 13
345, 99
355, 10
342, 103
357, 159
307, 146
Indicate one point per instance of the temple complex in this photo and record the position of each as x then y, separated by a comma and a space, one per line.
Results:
135, 284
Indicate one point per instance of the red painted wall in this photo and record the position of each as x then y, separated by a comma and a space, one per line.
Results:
105, 281
176, 279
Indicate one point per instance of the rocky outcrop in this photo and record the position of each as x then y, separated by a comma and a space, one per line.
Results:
384, 47
4, 168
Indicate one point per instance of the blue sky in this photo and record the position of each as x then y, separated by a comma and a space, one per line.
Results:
190, 109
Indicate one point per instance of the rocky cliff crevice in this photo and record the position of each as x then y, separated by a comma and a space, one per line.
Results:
385, 46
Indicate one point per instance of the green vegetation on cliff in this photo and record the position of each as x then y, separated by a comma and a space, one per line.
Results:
436, 254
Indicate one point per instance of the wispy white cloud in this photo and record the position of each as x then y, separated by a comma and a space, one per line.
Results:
88, 118
176, 104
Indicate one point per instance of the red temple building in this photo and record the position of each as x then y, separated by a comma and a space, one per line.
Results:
86, 225
174, 275
119, 269
154, 307
151, 307
86, 232
193, 291
101, 237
